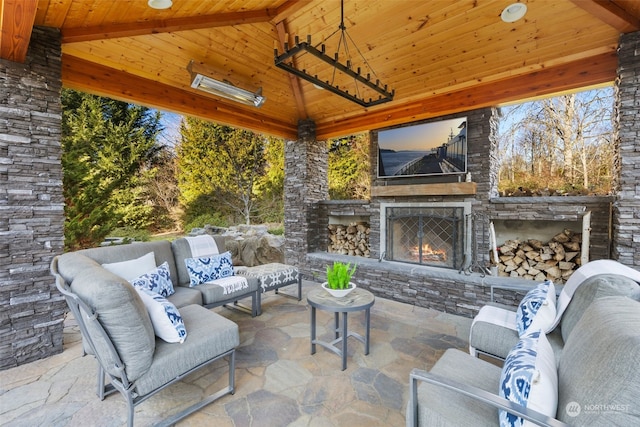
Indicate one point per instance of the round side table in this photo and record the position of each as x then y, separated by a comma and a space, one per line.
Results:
357, 300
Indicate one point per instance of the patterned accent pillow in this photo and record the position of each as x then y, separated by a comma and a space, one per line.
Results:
537, 310
529, 378
202, 270
157, 280
165, 317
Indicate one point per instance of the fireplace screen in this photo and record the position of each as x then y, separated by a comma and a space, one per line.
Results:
426, 235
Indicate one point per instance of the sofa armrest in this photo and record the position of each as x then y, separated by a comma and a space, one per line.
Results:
523, 287
475, 393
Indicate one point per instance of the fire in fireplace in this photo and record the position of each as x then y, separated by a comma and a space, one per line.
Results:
426, 234
426, 254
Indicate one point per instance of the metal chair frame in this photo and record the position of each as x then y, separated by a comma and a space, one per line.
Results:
475, 393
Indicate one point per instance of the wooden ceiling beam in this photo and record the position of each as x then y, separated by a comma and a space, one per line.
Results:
293, 80
98, 79
80, 34
132, 29
611, 14
547, 81
287, 8
16, 24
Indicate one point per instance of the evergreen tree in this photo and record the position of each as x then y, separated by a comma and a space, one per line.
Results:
269, 187
106, 145
349, 167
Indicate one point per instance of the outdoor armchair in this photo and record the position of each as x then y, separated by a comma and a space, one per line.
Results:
118, 332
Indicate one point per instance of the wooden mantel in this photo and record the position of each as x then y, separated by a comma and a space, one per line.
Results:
440, 189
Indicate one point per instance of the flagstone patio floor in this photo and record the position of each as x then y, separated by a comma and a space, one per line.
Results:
278, 381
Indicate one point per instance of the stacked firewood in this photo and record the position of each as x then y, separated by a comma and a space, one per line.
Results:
532, 259
352, 239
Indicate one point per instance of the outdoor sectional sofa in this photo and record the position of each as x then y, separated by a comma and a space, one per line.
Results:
174, 254
119, 322
581, 368
120, 328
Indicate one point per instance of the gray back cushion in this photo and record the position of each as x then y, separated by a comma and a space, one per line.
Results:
182, 250
119, 310
602, 285
599, 368
118, 253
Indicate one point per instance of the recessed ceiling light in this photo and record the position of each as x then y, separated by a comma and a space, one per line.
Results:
160, 4
513, 12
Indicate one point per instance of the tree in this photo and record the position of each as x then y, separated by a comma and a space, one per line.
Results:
565, 140
105, 146
218, 168
349, 167
269, 188
162, 185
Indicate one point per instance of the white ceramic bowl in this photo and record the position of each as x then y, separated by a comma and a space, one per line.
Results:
339, 293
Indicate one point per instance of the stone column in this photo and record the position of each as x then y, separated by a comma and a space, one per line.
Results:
305, 184
626, 208
31, 202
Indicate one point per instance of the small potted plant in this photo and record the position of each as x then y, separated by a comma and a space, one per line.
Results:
338, 281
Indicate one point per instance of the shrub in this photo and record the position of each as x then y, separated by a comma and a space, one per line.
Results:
215, 219
131, 234
276, 231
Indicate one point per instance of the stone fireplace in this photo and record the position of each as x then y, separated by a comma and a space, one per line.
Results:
433, 234
429, 240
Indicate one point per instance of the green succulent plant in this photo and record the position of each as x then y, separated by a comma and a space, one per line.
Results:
339, 275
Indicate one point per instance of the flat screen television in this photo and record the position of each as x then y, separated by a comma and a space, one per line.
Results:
427, 149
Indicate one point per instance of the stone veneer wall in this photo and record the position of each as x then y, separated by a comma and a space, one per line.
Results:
626, 209
305, 160
31, 202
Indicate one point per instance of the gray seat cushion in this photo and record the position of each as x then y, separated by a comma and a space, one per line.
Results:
184, 296
212, 294
120, 311
440, 407
208, 335
599, 368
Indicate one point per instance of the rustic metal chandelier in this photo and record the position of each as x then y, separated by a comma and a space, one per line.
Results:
340, 78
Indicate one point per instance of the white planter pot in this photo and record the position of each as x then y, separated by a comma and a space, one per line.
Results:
339, 293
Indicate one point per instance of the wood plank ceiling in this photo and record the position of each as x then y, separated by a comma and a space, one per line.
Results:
439, 56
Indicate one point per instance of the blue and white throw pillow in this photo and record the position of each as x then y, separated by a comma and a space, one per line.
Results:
206, 269
537, 310
157, 280
529, 378
165, 317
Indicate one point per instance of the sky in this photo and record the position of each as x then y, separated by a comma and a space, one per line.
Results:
171, 123
419, 137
